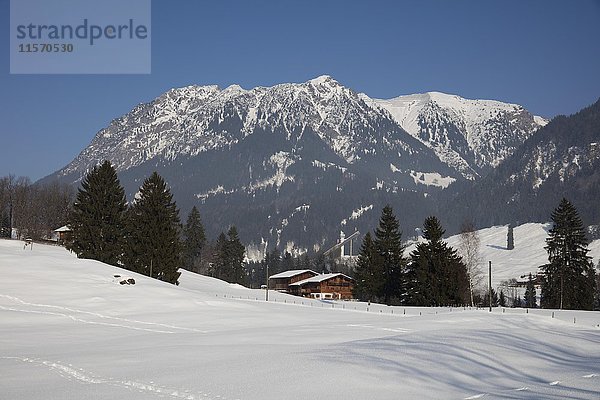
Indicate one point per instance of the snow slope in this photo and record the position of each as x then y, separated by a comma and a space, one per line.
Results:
525, 258
69, 331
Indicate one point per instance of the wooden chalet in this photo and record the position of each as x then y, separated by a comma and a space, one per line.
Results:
324, 286
63, 233
283, 280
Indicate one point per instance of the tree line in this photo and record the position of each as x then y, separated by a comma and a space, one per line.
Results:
146, 236
433, 274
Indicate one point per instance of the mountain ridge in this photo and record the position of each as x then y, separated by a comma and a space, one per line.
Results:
562, 159
252, 157
472, 135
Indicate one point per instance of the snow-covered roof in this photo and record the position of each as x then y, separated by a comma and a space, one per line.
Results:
320, 278
291, 273
63, 229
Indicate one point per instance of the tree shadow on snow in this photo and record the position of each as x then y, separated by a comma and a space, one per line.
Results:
495, 362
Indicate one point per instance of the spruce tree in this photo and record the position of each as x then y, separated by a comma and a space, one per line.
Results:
97, 219
320, 262
235, 258
390, 263
597, 295
153, 245
510, 239
218, 266
228, 258
368, 278
530, 293
438, 275
193, 240
569, 277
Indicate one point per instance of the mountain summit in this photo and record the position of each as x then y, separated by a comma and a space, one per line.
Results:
292, 164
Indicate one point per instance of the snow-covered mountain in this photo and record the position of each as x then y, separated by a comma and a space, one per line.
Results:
290, 164
189, 121
472, 136
562, 159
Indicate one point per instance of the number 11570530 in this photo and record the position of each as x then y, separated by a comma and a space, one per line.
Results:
45, 48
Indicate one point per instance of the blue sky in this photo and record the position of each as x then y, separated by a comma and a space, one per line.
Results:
542, 54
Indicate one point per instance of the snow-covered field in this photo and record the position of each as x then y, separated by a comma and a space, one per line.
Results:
69, 331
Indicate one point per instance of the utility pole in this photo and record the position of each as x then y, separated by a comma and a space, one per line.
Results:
562, 272
267, 288
150, 268
490, 284
561, 290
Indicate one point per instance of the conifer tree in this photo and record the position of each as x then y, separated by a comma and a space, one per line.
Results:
97, 219
228, 258
218, 266
287, 262
305, 262
368, 277
271, 265
530, 293
390, 261
569, 277
153, 245
510, 238
320, 262
438, 274
193, 240
235, 258
597, 295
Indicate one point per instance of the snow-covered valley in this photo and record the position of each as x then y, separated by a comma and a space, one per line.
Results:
69, 330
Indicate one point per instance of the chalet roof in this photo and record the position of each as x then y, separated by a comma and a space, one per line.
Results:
320, 278
63, 229
292, 273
